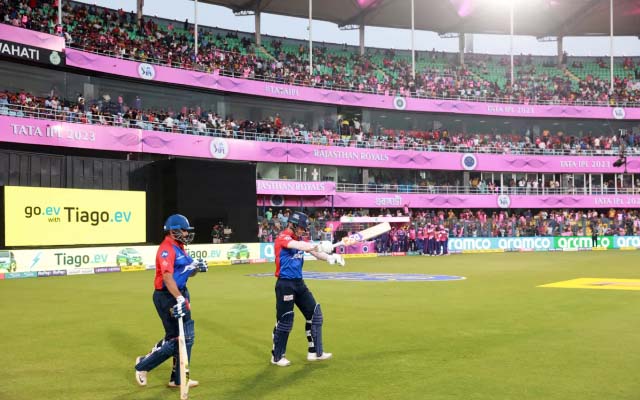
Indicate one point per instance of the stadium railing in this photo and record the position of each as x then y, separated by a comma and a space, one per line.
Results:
117, 121
469, 190
483, 99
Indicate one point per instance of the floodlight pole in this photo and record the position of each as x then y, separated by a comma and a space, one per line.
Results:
611, 46
511, 38
257, 25
310, 39
195, 30
139, 6
60, 12
413, 49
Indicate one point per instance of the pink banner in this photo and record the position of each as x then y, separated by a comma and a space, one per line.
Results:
57, 133
295, 188
158, 73
459, 201
31, 38
99, 137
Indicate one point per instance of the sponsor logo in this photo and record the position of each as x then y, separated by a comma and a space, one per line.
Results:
20, 275
469, 161
287, 297
399, 103
618, 113
504, 201
627, 241
164, 254
146, 71
55, 214
350, 155
293, 186
25, 52
78, 260
80, 271
574, 243
461, 244
219, 148
276, 200
389, 201
132, 268
55, 272
281, 91
19, 51
218, 263
525, 243
54, 58
104, 270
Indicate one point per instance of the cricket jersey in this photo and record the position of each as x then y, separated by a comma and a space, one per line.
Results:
171, 257
288, 261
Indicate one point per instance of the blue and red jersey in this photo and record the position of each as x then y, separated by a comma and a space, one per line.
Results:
171, 257
288, 261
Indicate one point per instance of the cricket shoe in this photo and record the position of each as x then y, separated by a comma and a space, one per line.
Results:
141, 376
192, 383
283, 362
315, 357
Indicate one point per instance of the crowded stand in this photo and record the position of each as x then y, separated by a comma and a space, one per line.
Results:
116, 33
106, 110
469, 223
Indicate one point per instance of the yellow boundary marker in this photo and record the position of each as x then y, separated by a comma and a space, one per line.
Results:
597, 283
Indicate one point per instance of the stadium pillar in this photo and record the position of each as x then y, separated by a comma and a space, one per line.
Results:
362, 38
611, 46
310, 38
365, 176
560, 50
413, 47
60, 12
195, 27
139, 7
465, 181
258, 35
511, 37
461, 40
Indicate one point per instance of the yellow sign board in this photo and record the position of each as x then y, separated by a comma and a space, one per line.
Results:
47, 216
597, 283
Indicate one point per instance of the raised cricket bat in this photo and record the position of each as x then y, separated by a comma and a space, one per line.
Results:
363, 235
184, 362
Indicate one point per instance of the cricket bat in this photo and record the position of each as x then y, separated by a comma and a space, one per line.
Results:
363, 235
184, 362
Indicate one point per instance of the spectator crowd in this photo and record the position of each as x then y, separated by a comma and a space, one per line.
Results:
472, 223
115, 112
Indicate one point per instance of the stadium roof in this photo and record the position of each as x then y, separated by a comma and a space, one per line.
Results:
540, 18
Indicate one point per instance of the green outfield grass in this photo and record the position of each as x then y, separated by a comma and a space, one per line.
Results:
493, 336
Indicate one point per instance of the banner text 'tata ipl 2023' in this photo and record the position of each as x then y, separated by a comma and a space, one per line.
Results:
46, 216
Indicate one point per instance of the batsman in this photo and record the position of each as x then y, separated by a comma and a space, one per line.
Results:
291, 289
171, 298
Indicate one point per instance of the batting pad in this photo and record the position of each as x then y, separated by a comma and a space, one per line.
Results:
597, 283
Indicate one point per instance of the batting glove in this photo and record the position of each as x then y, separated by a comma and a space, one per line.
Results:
181, 309
336, 259
202, 265
326, 247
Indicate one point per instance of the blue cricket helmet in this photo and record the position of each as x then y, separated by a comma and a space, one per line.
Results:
177, 221
300, 219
